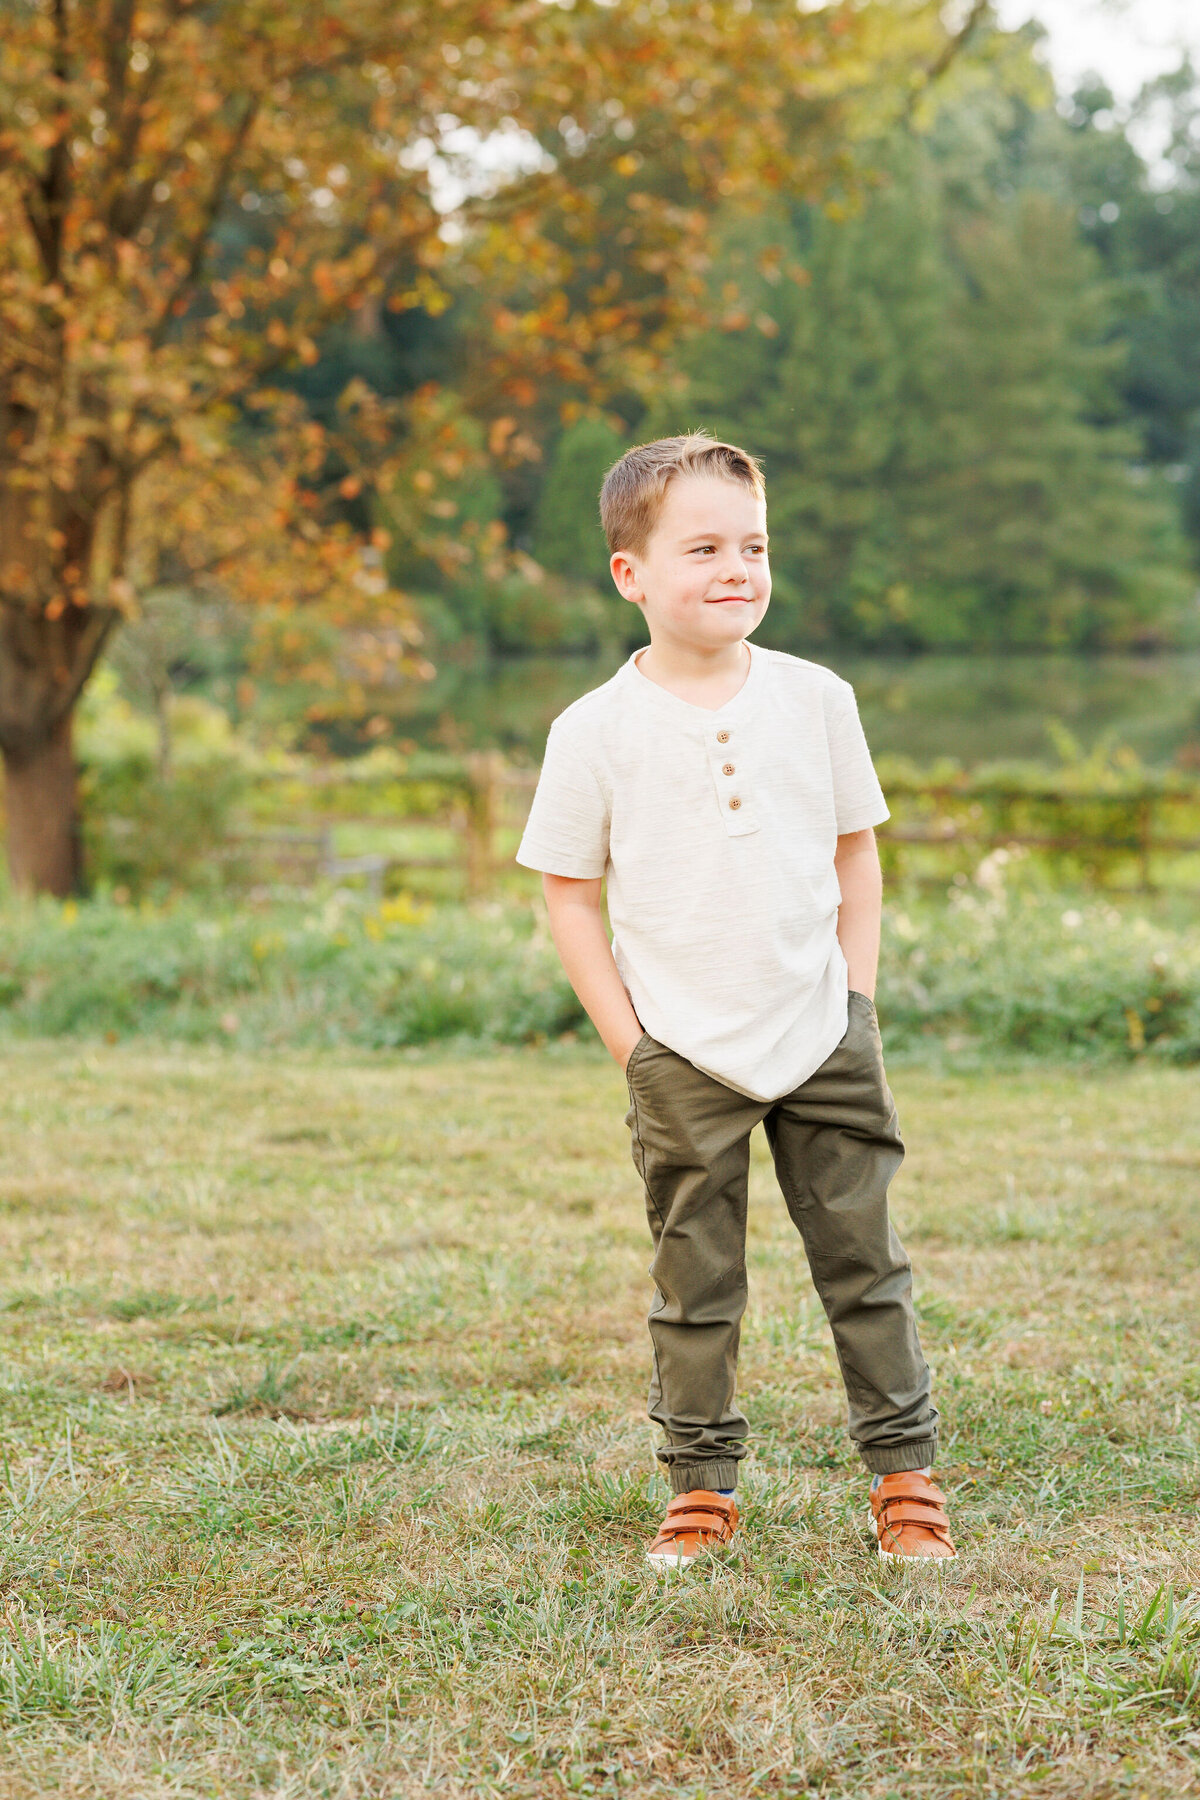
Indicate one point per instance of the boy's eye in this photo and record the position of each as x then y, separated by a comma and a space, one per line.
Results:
711, 549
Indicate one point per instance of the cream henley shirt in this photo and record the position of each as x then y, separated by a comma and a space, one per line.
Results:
716, 833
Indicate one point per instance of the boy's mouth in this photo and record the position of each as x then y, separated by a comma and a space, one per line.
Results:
720, 599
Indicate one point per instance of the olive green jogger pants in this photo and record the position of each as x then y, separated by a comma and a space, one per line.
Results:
836, 1144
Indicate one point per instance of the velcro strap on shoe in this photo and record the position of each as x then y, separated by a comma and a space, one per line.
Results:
905, 1512
699, 1500
682, 1523
935, 1504
900, 1487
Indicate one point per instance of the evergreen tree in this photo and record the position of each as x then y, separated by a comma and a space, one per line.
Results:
1148, 234
935, 391
832, 374
1050, 531
567, 535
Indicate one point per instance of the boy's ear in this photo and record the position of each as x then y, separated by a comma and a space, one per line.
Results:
625, 574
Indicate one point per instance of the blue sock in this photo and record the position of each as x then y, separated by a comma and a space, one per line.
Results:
725, 1493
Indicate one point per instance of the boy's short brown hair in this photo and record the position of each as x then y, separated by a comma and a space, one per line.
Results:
635, 487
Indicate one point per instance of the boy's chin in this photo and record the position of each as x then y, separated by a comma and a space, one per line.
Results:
730, 627
713, 629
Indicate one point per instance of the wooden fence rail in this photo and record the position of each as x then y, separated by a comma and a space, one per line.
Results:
475, 804
475, 810
1100, 833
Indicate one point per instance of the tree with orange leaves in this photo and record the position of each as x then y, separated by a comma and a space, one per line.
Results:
191, 193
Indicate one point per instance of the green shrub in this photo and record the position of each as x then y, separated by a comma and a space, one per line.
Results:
147, 829
143, 831
1043, 973
332, 972
982, 972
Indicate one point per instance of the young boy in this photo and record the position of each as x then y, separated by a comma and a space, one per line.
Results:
726, 795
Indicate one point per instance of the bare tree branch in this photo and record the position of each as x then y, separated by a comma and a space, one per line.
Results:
116, 41
956, 44
55, 184
202, 236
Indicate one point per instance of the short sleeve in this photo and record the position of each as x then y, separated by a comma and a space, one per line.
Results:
858, 797
567, 829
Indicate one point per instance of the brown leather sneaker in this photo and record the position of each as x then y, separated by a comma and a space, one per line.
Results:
909, 1519
695, 1522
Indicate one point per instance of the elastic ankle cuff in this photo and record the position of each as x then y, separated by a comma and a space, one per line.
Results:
898, 1459
686, 1478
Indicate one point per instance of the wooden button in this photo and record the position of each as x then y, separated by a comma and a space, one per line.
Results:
722, 737
728, 769
734, 804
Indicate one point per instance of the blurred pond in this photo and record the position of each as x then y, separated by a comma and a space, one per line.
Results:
973, 708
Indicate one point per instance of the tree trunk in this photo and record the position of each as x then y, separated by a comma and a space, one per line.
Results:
60, 547
43, 821
44, 664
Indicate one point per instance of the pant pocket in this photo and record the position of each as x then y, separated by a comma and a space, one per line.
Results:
636, 1052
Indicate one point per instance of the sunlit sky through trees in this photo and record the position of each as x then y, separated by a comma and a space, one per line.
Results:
1127, 42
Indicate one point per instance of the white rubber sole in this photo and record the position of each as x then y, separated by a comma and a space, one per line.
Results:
667, 1565
664, 1562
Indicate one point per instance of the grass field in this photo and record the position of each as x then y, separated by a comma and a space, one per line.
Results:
325, 1470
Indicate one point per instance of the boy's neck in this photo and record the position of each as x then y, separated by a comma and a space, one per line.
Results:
705, 676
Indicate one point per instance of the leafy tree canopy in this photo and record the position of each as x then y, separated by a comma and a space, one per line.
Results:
194, 193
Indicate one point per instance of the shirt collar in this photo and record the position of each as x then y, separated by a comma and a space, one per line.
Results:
683, 710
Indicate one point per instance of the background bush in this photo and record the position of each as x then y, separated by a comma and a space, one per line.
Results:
1041, 973
984, 971
158, 798
331, 972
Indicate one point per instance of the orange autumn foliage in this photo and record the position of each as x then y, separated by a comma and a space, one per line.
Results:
192, 193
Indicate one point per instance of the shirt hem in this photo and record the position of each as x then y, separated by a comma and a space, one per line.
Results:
866, 822
551, 865
762, 1099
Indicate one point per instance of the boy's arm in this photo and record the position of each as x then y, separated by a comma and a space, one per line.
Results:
582, 944
861, 880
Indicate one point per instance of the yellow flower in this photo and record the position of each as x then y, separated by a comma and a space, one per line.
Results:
403, 909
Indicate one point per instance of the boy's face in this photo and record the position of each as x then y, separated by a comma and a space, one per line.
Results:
703, 580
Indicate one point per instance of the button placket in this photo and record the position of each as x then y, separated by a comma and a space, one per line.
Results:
736, 806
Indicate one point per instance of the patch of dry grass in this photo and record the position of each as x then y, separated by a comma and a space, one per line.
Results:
325, 1471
